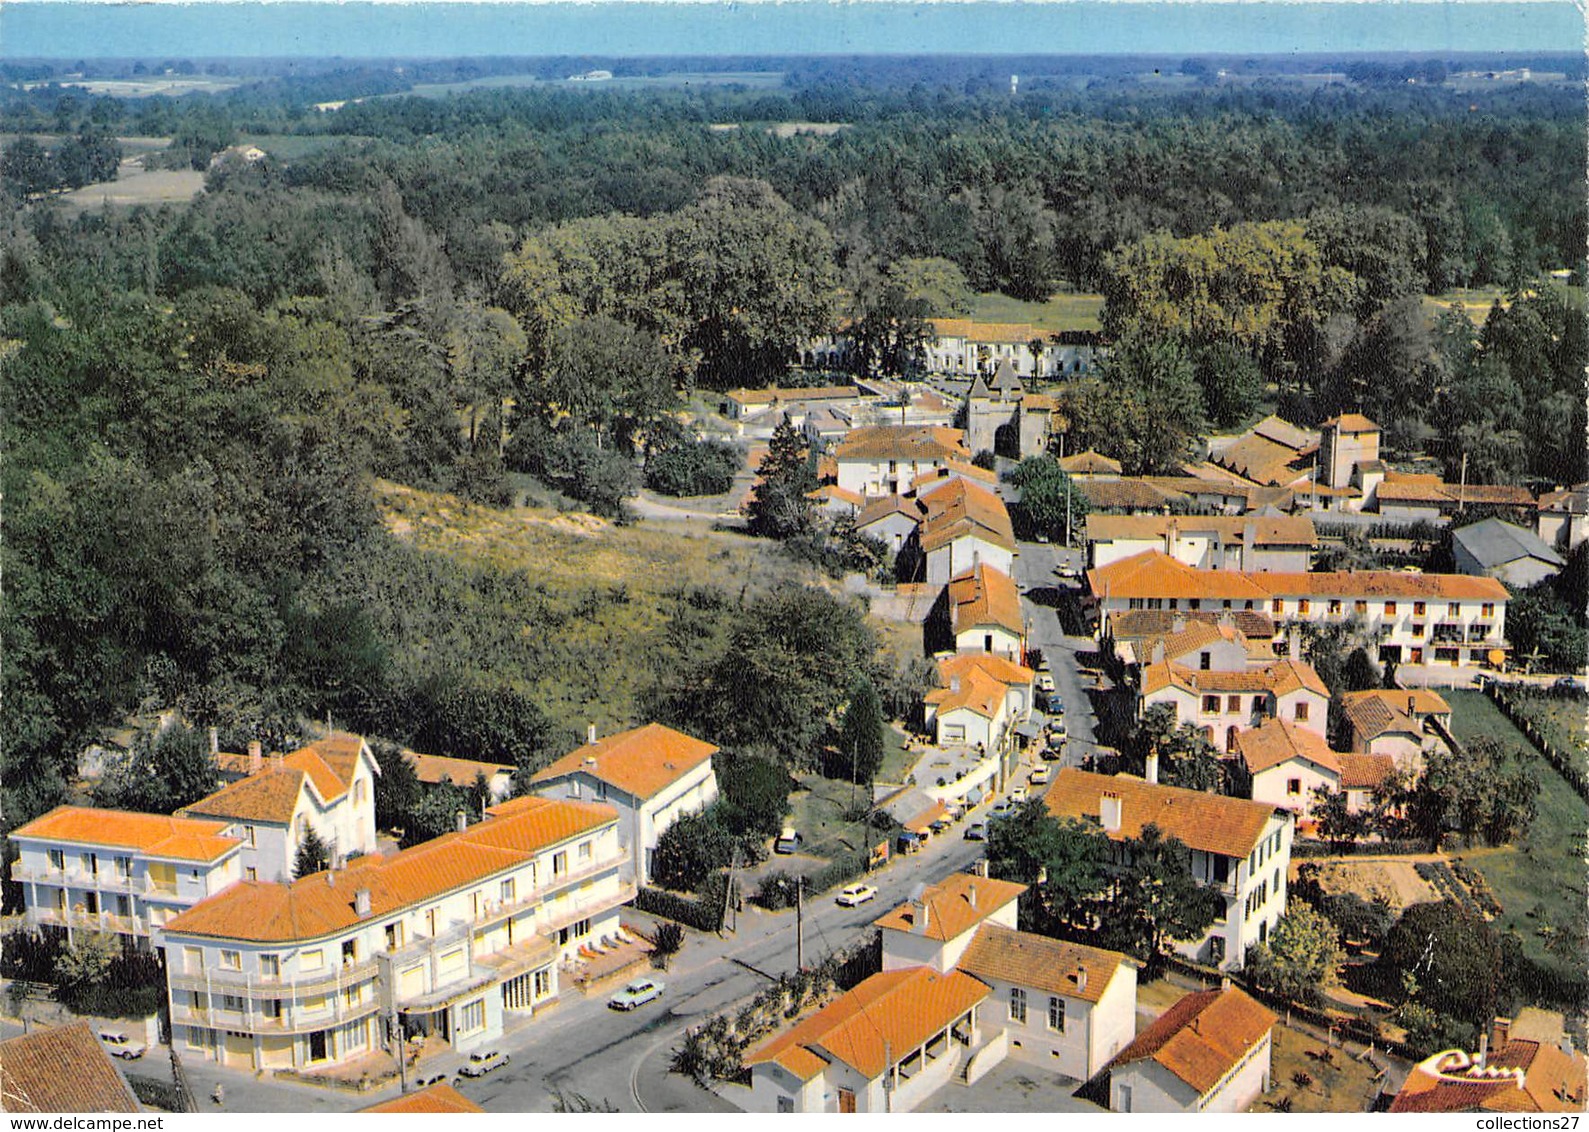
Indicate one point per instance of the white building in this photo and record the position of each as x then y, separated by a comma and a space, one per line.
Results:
936, 925
981, 700
1210, 1052
124, 874
327, 786
1239, 848
888, 459
1286, 763
1400, 722
652, 775
963, 526
1206, 542
982, 608
1224, 704
450, 936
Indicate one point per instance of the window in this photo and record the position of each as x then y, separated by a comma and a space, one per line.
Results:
271, 1007
352, 994
560, 864
193, 960
250, 873
1017, 1005
1453, 609
1360, 608
1390, 609
350, 952
358, 793
1194, 603
1278, 605
1417, 609
1293, 786
1335, 607
1056, 1014
1487, 609
1302, 605
314, 960
123, 866
584, 850
231, 960
57, 859
1417, 629
1175, 603
509, 890
1301, 713
543, 982
472, 1016
1204, 661
1232, 703
232, 1002
250, 836
1210, 704
785, 1104
270, 966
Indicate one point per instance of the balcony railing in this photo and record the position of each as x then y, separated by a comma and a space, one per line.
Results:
110, 922
106, 880
249, 984
292, 1019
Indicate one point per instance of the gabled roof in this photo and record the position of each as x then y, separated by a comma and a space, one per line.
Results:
884, 1017
1006, 382
1155, 574
984, 596
1195, 636
815, 393
1090, 463
323, 904
1278, 741
153, 835
1213, 823
1493, 543
1352, 422
1130, 494
1202, 1037
61, 1069
958, 508
433, 769
1381, 711
1519, 1076
1139, 624
271, 797
1365, 772
976, 682
1003, 333
903, 442
1004, 955
438, 1098
642, 762
1570, 501
1281, 431
954, 905
1279, 679
1281, 530
881, 507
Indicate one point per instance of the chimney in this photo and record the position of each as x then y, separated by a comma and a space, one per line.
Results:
971, 895
1172, 536
256, 757
1158, 652
1151, 772
361, 902
1249, 545
215, 741
919, 916
331, 878
461, 820
1412, 705
590, 760
1294, 643
1178, 625
1500, 1031
1566, 1045
1110, 810
590, 734
980, 868
1081, 978
1484, 1052
275, 760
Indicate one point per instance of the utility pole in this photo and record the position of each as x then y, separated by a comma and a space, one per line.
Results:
888, 1077
1462, 490
800, 924
400, 1046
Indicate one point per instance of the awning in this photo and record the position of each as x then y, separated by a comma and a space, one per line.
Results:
974, 796
1028, 729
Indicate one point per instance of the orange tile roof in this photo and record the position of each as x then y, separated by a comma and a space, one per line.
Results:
1039, 402
322, 904
1268, 530
1353, 422
1282, 431
154, 835
1155, 574
641, 762
958, 508
1012, 333
1380, 710
903, 442
1261, 460
984, 596
967, 468
1365, 772
1140, 624
1192, 637
1279, 679
438, 1098
1381, 583
1037, 961
886, 1016
1131, 494
1210, 822
61, 1069
815, 393
460, 772
1520, 1076
1202, 1036
955, 905
1278, 741
882, 506
271, 796
340, 751
1090, 462
984, 681
1004, 671
830, 491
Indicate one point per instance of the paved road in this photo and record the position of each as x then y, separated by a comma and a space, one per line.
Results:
1043, 590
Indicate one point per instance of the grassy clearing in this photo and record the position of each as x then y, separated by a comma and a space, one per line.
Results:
817, 810
1475, 300
134, 186
1065, 311
1562, 719
1340, 1084
896, 760
1540, 881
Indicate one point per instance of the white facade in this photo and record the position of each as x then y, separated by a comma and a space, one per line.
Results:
881, 476
1062, 1033
1291, 784
1147, 1086
964, 553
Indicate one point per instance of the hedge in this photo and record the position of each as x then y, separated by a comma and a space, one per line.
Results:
704, 914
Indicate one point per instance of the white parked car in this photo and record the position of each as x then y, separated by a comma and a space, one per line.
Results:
118, 1044
856, 894
1040, 776
1018, 795
483, 1062
1045, 682
637, 993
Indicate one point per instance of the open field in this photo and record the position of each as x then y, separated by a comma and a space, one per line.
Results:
1065, 311
136, 185
1475, 300
758, 79
1539, 882
172, 86
1561, 718
1395, 879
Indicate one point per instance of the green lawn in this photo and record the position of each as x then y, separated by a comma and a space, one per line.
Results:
896, 760
1341, 1084
1561, 718
817, 810
1539, 882
1065, 311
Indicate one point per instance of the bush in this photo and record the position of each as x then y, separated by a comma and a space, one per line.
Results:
704, 914
776, 891
689, 851
704, 467
840, 870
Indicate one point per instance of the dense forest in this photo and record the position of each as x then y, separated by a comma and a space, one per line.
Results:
444, 292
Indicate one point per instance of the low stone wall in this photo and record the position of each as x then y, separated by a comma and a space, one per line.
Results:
982, 1062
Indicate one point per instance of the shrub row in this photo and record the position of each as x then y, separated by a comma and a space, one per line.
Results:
1395, 847
704, 913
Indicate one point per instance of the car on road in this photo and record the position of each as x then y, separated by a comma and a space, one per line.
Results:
788, 841
1040, 776
118, 1044
483, 1062
426, 1082
1002, 810
938, 825
1018, 795
1056, 729
1069, 573
1053, 752
1569, 684
1045, 683
855, 894
637, 993
977, 831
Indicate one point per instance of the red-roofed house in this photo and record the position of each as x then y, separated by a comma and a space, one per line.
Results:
935, 926
1286, 763
1210, 1052
1508, 1075
652, 775
980, 700
453, 933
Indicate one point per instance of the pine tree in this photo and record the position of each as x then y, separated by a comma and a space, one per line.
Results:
313, 855
788, 474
